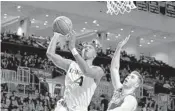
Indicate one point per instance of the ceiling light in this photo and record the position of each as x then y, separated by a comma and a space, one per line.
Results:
152, 40
148, 42
45, 23
141, 38
108, 33
121, 29
140, 45
84, 28
132, 30
47, 15
98, 25
95, 21
85, 22
5, 14
33, 19
18, 7
154, 35
108, 39
164, 37
119, 35
37, 26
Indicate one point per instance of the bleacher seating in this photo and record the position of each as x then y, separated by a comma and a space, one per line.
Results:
27, 53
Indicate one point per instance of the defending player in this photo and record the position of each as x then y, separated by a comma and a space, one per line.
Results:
124, 94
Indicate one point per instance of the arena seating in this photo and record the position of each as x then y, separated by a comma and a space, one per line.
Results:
29, 52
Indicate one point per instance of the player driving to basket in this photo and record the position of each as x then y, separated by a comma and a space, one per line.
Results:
82, 76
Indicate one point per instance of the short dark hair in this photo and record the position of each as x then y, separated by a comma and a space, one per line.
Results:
139, 77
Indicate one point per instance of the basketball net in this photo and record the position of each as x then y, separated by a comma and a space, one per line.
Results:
116, 7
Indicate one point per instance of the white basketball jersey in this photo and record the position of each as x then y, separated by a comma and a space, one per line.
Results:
79, 89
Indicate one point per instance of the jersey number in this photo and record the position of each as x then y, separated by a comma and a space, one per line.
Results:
79, 81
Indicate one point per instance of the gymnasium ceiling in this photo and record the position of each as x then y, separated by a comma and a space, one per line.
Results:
86, 16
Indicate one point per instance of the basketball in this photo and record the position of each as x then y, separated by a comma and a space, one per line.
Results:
62, 25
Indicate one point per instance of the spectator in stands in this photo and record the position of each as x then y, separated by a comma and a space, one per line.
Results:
25, 106
46, 105
18, 55
144, 108
13, 97
47, 96
41, 108
167, 85
44, 86
162, 78
31, 105
20, 103
172, 85
13, 104
37, 107
3, 97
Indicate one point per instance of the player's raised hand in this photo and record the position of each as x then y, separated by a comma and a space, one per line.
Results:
123, 42
72, 39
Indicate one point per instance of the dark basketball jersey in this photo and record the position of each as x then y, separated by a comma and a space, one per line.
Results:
118, 99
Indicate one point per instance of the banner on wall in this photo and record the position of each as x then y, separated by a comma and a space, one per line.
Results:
170, 9
24, 25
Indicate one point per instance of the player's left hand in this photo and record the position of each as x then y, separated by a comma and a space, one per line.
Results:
123, 42
71, 40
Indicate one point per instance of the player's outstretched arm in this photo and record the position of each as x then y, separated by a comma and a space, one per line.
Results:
55, 58
115, 64
95, 72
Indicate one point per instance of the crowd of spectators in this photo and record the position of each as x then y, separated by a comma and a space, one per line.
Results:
44, 42
14, 38
11, 60
38, 102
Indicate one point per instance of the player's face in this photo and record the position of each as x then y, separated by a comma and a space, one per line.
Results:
131, 81
88, 52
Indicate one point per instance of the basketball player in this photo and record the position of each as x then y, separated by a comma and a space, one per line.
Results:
82, 77
124, 94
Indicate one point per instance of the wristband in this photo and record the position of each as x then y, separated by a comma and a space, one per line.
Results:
74, 51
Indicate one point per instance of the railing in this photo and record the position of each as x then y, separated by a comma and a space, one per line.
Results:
14, 79
23, 75
166, 101
8, 76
